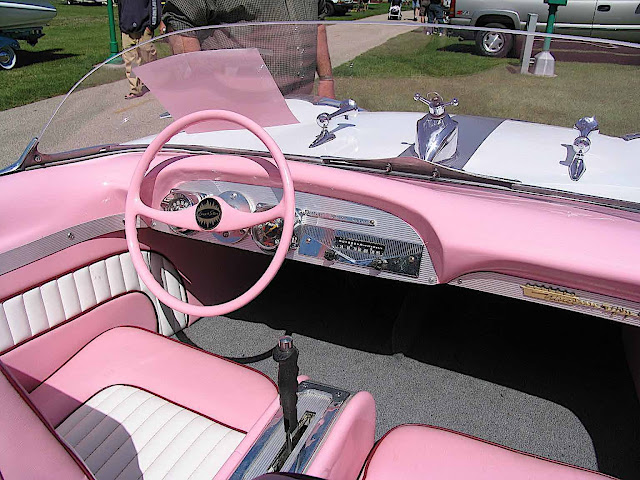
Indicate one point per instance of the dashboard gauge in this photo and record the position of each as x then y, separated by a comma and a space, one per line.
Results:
267, 235
239, 202
179, 201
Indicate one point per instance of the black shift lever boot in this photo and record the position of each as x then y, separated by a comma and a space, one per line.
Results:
287, 357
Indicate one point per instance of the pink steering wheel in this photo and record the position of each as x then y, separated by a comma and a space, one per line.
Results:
210, 214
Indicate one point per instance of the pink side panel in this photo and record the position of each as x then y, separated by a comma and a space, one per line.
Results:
344, 451
415, 452
60, 263
80, 191
28, 449
227, 392
32, 362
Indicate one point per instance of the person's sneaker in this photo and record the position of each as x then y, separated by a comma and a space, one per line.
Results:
415, 19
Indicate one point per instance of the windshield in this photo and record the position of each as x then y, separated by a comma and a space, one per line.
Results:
491, 103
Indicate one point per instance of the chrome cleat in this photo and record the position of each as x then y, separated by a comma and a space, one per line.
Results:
437, 132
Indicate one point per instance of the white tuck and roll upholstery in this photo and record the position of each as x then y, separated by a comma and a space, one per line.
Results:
45, 306
123, 431
131, 404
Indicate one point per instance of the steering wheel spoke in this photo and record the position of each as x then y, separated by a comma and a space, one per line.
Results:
233, 219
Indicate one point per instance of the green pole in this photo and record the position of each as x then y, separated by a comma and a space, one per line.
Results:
550, 21
113, 42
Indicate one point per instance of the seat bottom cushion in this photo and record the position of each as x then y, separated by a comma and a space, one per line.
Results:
124, 432
421, 451
231, 394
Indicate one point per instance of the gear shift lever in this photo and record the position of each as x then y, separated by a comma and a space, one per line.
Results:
287, 357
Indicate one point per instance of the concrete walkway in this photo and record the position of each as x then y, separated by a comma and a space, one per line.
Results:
76, 124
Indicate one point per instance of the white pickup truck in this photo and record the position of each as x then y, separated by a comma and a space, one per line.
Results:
613, 19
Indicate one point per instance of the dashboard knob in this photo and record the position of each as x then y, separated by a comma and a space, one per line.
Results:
330, 255
378, 263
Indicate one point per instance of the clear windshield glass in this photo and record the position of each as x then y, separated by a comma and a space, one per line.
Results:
479, 110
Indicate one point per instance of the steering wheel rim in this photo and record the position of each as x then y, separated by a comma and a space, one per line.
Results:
194, 219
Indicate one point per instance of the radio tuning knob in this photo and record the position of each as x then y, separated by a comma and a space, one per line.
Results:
378, 263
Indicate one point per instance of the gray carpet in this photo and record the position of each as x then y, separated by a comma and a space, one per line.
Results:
544, 391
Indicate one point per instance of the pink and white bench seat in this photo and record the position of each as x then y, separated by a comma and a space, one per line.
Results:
131, 404
415, 452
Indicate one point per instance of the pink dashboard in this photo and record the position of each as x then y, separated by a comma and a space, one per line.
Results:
547, 250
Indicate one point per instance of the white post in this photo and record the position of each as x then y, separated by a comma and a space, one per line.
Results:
532, 21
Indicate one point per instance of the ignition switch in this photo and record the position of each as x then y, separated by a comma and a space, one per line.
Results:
330, 255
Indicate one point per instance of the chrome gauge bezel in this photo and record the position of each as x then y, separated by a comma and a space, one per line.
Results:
174, 196
240, 202
270, 248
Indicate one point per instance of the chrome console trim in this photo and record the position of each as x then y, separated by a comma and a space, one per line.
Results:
575, 300
45, 246
326, 402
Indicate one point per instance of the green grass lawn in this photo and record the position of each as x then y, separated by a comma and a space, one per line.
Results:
386, 77
413, 54
76, 39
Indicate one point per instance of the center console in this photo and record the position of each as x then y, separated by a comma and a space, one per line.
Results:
319, 407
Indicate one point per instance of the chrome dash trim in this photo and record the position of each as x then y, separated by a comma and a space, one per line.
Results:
45, 246
553, 295
328, 213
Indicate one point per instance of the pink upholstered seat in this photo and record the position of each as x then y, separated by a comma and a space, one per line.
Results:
131, 404
416, 452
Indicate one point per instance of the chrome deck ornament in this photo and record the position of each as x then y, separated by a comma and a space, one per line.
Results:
437, 132
323, 120
581, 146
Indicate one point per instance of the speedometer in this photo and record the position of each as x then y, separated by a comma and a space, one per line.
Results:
267, 235
179, 201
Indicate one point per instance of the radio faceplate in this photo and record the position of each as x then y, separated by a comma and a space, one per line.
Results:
362, 250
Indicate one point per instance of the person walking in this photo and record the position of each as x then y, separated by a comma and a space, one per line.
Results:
424, 6
416, 9
138, 19
435, 12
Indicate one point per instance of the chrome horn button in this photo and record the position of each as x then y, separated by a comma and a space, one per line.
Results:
208, 213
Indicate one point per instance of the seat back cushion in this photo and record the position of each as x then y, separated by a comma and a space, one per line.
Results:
29, 448
425, 452
60, 344
43, 307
